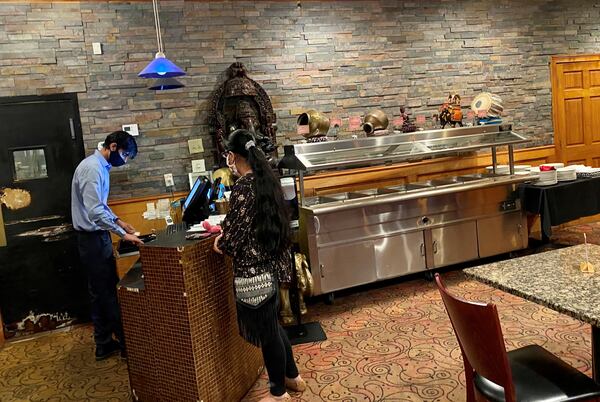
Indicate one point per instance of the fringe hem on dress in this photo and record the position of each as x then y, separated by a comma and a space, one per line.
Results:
260, 325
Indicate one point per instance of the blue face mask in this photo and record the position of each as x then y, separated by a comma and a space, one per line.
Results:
115, 159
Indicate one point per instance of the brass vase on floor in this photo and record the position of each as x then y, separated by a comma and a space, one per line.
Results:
305, 280
304, 287
287, 316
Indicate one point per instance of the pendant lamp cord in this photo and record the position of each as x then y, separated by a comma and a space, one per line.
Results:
157, 26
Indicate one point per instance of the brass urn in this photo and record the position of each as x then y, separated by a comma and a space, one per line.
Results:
225, 175
317, 122
375, 120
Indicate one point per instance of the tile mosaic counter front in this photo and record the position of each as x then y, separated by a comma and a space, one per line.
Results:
180, 325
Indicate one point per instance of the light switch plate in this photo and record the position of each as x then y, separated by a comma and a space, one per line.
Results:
97, 47
131, 129
195, 146
169, 182
198, 165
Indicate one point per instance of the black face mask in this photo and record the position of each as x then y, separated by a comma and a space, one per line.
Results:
115, 159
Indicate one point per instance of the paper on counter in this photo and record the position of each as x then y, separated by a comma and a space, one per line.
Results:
163, 208
196, 229
150, 212
216, 219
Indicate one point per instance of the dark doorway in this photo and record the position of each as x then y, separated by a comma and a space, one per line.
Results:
42, 285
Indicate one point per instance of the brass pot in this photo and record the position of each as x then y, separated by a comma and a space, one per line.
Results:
317, 122
222, 206
225, 175
375, 120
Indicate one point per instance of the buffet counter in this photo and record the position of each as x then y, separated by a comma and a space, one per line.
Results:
365, 236
385, 231
180, 325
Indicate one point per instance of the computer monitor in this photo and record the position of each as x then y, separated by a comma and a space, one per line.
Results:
195, 206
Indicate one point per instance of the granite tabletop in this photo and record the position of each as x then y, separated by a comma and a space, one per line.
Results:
552, 279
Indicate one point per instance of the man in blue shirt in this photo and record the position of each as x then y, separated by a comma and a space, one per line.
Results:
93, 220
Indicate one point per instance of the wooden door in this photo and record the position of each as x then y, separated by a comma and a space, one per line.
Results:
576, 108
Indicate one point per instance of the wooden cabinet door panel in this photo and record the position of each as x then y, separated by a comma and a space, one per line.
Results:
576, 107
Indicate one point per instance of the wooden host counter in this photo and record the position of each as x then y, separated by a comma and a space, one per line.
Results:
180, 325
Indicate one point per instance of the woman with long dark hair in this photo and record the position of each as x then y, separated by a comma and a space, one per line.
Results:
256, 236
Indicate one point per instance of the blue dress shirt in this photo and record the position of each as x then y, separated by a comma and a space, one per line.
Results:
89, 196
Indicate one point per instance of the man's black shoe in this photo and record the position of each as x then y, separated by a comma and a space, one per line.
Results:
107, 350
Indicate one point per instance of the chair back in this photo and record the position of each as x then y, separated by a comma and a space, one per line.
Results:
479, 335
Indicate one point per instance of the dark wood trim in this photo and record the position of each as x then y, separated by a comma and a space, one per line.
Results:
574, 58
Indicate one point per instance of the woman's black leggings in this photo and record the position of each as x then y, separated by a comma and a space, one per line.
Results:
279, 361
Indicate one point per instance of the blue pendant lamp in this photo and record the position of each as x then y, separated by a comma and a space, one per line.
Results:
160, 67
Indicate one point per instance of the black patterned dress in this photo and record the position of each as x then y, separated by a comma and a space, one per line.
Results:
251, 259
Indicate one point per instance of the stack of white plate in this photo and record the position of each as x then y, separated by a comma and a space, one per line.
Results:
586, 171
568, 173
522, 170
547, 178
500, 169
554, 165
505, 169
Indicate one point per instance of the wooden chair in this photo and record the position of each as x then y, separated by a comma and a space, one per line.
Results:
530, 373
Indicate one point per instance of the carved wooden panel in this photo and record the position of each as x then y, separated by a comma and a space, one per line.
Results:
573, 79
594, 78
574, 112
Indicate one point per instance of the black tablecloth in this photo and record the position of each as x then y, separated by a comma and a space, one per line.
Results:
562, 202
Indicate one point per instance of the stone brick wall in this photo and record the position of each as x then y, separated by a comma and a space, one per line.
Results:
340, 57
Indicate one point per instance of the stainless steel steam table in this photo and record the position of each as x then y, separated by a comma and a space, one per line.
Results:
363, 236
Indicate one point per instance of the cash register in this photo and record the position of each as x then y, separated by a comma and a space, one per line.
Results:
196, 206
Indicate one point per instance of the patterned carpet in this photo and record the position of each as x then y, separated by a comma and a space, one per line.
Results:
396, 343
391, 343
60, 366
574, 234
